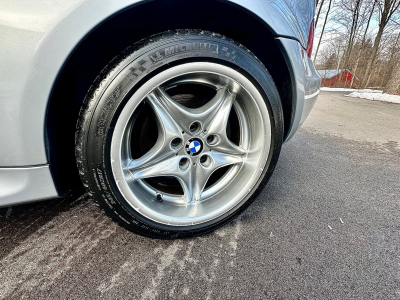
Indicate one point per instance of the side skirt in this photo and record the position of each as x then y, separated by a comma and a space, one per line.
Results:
26, 184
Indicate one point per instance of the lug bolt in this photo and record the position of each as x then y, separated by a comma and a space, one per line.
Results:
212, 139
176, 142
159, 198
194, 127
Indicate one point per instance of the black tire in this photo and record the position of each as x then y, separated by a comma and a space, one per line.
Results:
99, 114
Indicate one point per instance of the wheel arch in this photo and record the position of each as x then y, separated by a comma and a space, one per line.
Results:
130, 25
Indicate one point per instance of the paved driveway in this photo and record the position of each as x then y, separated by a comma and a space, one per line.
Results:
326, 227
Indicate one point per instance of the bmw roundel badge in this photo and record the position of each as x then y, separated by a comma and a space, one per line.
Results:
194, 146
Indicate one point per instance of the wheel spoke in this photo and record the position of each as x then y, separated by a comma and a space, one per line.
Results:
217, 126
165, 115
188, 182
193, 177
226, 146
158, 152
179, 114
184, 116
168, 131
200, 173
219, 119
220, 160
185, 173
167, 167
206, 113
201, 176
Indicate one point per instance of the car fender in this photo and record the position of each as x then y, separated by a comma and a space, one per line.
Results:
36, 47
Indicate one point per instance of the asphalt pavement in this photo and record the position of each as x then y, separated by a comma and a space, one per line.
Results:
327, 226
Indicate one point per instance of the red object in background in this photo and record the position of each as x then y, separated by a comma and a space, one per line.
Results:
332, 77
310, 39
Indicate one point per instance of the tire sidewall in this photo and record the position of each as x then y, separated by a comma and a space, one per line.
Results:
125, 74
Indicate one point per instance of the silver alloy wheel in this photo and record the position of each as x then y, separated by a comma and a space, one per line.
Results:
192, 144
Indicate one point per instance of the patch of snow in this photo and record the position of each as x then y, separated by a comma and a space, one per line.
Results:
328, 89
375, 96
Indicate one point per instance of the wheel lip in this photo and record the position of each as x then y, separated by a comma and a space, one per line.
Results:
131, 106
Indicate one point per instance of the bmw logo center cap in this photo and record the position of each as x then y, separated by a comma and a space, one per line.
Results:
194, 146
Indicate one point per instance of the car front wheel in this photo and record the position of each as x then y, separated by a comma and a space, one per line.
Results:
179, 133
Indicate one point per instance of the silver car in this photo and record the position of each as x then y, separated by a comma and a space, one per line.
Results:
172, 113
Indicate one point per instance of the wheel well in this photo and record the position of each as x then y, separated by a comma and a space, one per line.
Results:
118, 32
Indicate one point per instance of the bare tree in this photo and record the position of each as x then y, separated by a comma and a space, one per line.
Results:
393, 86
386, 10
392, 76
362, 42
353, 7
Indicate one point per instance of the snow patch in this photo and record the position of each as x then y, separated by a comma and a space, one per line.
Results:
375, 96
328, 89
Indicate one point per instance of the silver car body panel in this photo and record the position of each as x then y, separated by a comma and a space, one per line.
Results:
307, 82
25, 184
36, 38
298, 15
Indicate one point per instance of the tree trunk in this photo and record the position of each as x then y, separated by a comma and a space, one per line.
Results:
362, 45
393, 86
350, 44
393, 83
323, 29
319, 11
374, 53
391, 65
